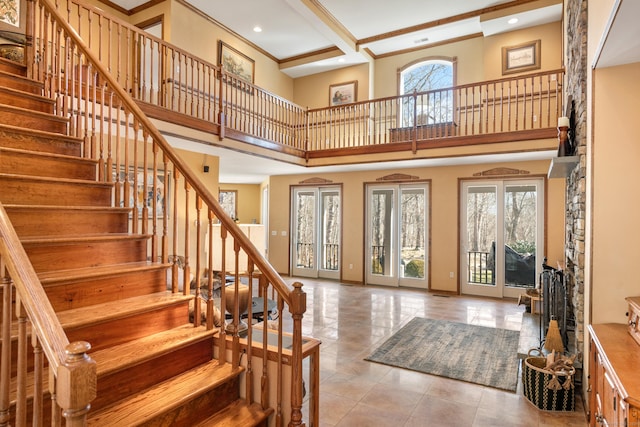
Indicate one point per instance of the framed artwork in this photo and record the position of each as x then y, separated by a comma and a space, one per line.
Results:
144, 195
13, 16
343, 93
522, 57
228, 199
234, 62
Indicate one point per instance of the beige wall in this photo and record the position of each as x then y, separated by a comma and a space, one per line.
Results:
550, 48
444, 217
478, 59
313, 91
204, 44
247, 202
469, 69
616, 230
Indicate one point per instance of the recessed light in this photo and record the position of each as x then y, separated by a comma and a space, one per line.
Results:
512, 21
341, 59
257, 29
422, 40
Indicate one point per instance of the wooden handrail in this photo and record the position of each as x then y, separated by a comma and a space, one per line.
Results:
43, 317
134, 156
207, 197
246, 112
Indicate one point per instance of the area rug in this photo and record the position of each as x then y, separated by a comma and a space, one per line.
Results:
476, 354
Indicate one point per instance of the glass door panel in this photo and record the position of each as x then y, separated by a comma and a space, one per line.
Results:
330, 231
396, 252
413, 222
520, 236
501, 214
479, 233
381, 202
304, 233
316, 232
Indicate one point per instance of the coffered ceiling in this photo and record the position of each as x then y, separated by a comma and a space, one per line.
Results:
312, 36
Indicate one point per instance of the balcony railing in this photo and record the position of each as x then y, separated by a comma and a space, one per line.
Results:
480, 270
131, 154
163, 77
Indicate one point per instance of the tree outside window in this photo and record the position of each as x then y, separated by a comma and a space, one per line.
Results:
431, 82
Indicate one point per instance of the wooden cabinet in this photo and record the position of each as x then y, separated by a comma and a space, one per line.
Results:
614, 383
634, 318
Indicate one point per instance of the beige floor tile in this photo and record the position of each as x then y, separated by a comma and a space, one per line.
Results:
352, 321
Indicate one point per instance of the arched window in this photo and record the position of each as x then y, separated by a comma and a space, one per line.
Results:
431, 81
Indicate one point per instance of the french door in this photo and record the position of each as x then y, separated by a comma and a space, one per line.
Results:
502, 236
396, 250
316, 232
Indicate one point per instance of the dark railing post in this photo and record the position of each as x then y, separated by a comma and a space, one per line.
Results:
414, 127
297, 308
221, 114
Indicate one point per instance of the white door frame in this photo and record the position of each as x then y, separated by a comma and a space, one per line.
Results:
392, 274
498, 289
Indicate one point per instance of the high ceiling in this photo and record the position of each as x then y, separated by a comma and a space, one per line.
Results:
312, 36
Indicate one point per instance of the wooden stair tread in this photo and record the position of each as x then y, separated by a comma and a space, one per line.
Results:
29, 385
118, 309
40, 133
53, 276
164, 396
88, 209
39, 240
25, 94
60, 180
34, 113
20, 76
134, 352
238, 413
65, 157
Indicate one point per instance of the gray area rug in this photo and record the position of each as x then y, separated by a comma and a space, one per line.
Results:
471, 353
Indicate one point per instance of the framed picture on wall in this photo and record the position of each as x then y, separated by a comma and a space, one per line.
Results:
234, 62
522, 57
343, 93
228, 199
13, 16
144, 196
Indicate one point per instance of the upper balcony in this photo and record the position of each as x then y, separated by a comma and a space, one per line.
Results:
174, 86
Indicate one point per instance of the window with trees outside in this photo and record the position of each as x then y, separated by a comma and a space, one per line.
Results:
428, 97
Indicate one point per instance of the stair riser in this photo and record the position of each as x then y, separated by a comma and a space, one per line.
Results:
19, 83
49, 257
46, 412
30, 121
20, 191
36, 142
196, 410
66, 296
66, 222
123, 330
21, 163
136, 378
32, 103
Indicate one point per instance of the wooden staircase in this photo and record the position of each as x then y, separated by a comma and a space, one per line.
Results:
153, 366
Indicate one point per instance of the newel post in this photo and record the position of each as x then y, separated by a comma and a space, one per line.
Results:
76, 384
297, 308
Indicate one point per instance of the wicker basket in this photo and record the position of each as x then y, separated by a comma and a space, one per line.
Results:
546, 390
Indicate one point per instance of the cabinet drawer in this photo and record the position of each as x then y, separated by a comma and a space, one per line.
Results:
634, 318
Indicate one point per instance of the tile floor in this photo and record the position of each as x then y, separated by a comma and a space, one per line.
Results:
352, 321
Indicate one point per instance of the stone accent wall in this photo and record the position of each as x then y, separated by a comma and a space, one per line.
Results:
576, 88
